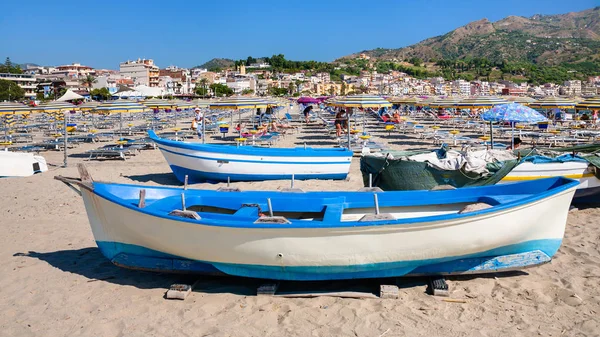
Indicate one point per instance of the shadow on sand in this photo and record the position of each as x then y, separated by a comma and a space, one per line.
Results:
90, 263
159, 178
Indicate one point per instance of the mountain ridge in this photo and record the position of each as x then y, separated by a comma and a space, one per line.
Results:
542, 39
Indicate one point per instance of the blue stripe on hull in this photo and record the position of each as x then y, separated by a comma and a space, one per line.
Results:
509, 257
199, 176
257, 160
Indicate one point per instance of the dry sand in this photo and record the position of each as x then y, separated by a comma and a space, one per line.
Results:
55, 282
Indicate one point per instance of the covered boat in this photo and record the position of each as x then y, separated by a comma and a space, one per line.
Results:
20, 164
398, 171
328, 235
213, 162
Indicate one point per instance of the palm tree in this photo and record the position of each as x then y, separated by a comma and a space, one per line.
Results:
88, 81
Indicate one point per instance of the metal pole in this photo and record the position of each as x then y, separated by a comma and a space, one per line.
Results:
204, 127
348, 127
65, 138
491, 136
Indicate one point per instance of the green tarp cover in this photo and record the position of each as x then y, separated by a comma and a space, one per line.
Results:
401, 175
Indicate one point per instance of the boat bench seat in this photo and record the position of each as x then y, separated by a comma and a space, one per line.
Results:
503, 199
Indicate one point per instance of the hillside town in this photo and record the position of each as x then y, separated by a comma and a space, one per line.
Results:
143, 78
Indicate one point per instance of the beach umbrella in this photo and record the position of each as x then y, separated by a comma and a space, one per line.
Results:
88, 106
553, 103
56, 109
359, 101
309, 100
120, 106
239, 104
523, 100
512, 113
480, 102
446, 103
8, 110
407, 100
592, 103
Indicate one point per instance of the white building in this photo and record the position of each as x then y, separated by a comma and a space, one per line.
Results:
73, 71
141, 71
26, 81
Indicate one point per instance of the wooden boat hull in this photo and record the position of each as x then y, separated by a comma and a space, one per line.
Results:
202, 162
18, 164
421, 239
589, 184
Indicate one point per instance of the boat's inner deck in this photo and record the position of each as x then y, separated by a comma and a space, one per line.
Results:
240, 207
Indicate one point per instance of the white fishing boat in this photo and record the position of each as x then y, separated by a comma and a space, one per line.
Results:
214, 162
20, 164
328, 235
580, 170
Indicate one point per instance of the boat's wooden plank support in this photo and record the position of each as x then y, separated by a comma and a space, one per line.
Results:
389, 291
180, 291
268, 289
228, 188
142, 200
291, 188
185, 183
85, 176
438, 287
84, 181
370, 188
185, 214
377, 216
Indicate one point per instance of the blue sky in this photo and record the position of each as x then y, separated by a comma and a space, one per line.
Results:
187, 33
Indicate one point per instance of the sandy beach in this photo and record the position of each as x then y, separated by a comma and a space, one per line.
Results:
55, 282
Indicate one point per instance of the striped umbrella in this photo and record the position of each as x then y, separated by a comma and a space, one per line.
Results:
88, 106
523, 100
120, 106
446, 103
553, 103
407, 100
238, 103
58, 110
8, 110
359, 101
159, 104
592, 103
480, 102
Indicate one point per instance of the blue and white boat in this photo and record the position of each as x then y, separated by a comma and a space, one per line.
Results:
328, 235
213, 162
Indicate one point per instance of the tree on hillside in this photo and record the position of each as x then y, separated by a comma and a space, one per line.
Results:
250, 60
9, 67
10, 91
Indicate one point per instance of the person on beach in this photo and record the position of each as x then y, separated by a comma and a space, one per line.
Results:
198, 119
306, 112
340, 118
396, 117
517, 144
